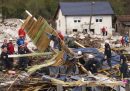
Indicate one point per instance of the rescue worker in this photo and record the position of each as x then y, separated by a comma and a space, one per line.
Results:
20, 42
21, 33
56, 40
122, 56
10, 46
124, 68
60, 35
103, 31
91, 64
23, 61
126, 38
122, 40
107, 53
5, 44
5, 60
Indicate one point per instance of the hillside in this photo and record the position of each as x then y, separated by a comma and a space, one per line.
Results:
47, 8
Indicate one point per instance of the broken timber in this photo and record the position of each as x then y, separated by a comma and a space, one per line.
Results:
52, 61
37, 31
30, 54
98, 82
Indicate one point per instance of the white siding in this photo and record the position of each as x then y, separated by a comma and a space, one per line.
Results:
60, 23
84, 24
67, 23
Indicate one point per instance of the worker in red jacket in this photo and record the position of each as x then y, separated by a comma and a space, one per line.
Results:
21, 33
60, 35
10, 46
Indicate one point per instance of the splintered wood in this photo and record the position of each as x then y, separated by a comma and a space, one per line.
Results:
37, 31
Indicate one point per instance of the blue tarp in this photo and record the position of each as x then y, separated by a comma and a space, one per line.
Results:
98, 55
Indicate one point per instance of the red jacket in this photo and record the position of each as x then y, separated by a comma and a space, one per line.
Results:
10, 48
61, 36
103, 29
21, 32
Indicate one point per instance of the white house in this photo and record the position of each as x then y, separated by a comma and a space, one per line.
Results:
75, 16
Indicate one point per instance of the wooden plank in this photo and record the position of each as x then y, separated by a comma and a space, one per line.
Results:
33, 31
105, 69
26, 21
45, 64
59, 87
98, 82
30, 54
38, 34
79, 44
59, 59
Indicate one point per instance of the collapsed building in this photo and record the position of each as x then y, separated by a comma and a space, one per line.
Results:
58, 71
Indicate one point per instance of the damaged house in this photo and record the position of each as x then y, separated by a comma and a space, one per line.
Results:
77, 17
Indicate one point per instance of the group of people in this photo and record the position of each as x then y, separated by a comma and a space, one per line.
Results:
125, 40
8, 49
92, 64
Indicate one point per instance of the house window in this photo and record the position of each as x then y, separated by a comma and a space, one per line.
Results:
75, 30
79, 20
92, 30
75, 21
84, 31
98, 19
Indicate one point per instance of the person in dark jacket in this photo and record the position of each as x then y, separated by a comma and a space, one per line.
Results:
122, 56
5, 44
124, 68
107, 53
91, 64
57, 44
23, 61
5, 60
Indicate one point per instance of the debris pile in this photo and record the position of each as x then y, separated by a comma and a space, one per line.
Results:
90, 42
56, 69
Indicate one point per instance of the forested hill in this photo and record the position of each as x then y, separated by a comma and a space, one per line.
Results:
47, 8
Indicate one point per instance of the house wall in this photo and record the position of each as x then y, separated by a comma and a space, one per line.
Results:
60, 23
68, 23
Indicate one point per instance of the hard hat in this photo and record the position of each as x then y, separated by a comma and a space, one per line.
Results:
106, 41
90, 56
79, 53
10, 39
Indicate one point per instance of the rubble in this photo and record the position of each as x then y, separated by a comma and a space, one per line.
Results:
68, 74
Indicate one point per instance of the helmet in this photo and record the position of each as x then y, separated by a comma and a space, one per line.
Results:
90, 56
107, 41
10, 39
79, 53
